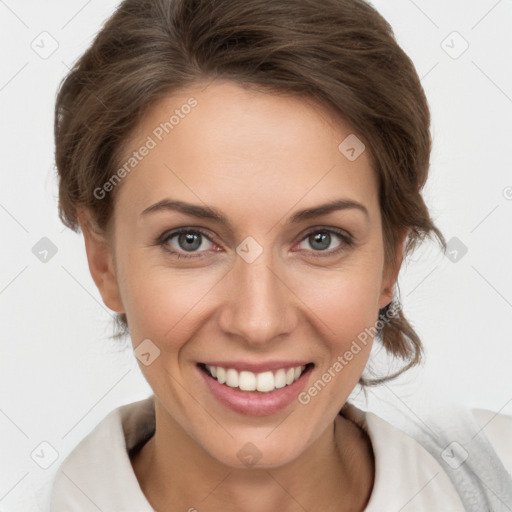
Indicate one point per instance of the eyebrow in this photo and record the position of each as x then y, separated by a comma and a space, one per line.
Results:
206, 212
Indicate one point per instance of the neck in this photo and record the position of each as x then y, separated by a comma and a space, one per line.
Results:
334, 473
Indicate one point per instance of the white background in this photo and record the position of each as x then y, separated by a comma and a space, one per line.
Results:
61, 375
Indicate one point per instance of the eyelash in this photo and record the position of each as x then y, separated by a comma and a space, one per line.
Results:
163, 240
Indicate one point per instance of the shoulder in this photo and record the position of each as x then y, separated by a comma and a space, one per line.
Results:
466, 453
97, 473
407, 476
498, 430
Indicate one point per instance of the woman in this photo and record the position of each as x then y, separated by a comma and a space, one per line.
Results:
287, 143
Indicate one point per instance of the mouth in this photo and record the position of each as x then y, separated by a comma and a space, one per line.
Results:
263, 382
260, 393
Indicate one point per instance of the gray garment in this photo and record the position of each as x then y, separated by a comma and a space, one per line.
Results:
462, 449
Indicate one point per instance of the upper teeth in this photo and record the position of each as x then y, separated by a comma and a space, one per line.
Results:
249, 381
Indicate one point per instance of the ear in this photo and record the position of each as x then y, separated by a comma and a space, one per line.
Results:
100, 259
390, 274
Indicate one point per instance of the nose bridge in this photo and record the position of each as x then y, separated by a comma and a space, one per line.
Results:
259, 304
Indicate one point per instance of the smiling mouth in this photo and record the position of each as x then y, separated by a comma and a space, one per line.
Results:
263, 382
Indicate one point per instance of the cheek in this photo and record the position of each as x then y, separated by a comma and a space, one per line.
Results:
163, 303
345, 305
168, 304
346, 301
353, 305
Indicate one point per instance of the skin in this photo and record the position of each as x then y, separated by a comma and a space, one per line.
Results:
257, 157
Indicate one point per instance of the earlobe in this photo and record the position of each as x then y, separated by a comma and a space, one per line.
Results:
100, 260
386, 295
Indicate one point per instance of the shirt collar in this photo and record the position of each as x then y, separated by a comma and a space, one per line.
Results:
407, 477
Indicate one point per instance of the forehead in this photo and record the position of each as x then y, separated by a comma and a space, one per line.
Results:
230, 146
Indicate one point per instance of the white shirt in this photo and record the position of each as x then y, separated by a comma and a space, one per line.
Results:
98, 475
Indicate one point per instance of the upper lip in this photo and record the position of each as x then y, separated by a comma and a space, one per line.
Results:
256, 367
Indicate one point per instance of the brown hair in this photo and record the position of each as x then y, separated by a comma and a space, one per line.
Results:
340, 52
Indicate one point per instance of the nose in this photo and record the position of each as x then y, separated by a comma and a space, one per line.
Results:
260, 304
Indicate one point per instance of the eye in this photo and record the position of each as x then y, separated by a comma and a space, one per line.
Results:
321, 239
190, 242
185, 240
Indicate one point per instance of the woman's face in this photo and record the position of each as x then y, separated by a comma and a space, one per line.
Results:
268, 287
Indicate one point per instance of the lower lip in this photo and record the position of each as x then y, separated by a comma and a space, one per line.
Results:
255, 403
